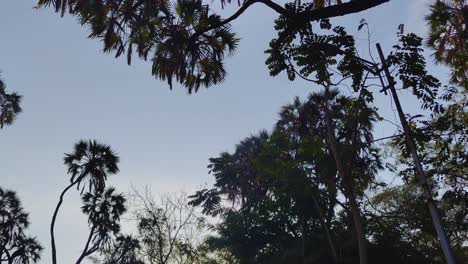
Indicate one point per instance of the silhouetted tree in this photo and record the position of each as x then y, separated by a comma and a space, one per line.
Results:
9, 105
448, 36
441, 139
186, 40
104, 210
266, 192
124, 250
327, 58
290, 179
188, 43
89, 164
15, 245
400, 227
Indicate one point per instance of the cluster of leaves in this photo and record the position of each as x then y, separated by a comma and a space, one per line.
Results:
124, 250
300, 51
89, 165
442, 146
280, 199
400, 223
264, 190
15, 245
259, 175
185, 39
277, 193
448, 36
9, 105
410, 63
171, 34
441, 137
104, 210
442, 142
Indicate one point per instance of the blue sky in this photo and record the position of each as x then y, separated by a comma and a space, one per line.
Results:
73, 91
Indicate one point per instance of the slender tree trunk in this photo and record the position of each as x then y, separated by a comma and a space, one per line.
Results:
331, 207
12, 257
1, 252
7, 254
326, 231
323, 223
52, 224
349, 192
358, 225
85, 252
303, 242
8, 257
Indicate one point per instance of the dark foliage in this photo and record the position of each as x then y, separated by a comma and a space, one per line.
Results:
15, 245
277, 194
104, 210
186, 40
123, 251
9, 105
448, 36
91, 161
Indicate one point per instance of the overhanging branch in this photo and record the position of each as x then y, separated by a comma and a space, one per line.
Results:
342, 9
308, 16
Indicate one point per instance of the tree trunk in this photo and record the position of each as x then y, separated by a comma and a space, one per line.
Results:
52, 224
326, 231
349, 192
303, 241
358, 225
85, 252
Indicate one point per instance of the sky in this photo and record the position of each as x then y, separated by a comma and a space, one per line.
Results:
164, 138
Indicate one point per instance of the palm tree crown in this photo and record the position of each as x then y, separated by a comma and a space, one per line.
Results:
448, 35
9, 105
104, 211
91, 160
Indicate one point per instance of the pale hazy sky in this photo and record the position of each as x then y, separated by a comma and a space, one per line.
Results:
164, 138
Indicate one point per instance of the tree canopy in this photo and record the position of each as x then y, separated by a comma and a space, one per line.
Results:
186, 40
9, 105
448, 36
281, 201
312, 189
15, 245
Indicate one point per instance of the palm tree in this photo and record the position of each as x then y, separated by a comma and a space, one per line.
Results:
343, 126
346, 125
186, 41
168, 33
236, 174
15, 245
104, 210
357, 123
448, 36
296, 122
9, 105
28, 249
90, 163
